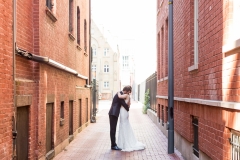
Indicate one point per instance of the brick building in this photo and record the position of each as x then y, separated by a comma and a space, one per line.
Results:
206, 77
6, 80
52, 76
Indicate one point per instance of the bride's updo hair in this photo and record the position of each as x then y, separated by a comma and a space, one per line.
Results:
127, 88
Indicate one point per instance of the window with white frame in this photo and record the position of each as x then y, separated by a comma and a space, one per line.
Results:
106, 50
195, 32
94, 51
125, 62
106, 68
94, 67
194, 63
106, 84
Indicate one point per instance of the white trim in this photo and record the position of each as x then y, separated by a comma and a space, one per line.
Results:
63, 67
222, 104
193, 67
195, 32
231, 46
162, 79
81, 76
195, 64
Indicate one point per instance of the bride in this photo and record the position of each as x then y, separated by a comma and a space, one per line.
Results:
126, 138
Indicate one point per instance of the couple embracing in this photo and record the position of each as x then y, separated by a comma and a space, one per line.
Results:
126, 138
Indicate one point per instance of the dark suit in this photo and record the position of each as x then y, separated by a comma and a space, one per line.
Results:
113, 116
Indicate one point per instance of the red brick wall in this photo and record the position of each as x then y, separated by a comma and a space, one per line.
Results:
56, 44
38, 34
28, 70
217, 76
162, 47
6, 79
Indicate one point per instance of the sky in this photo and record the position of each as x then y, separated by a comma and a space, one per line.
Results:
131, 19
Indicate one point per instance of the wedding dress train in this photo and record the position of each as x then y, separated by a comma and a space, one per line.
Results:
126, 138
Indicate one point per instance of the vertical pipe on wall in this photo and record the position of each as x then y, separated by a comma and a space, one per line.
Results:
14, 132
170, 81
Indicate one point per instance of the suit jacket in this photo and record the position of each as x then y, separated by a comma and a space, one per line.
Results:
116, 105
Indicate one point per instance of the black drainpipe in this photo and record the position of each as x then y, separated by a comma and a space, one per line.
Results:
14, 130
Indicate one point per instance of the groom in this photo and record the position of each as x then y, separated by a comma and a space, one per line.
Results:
114, 113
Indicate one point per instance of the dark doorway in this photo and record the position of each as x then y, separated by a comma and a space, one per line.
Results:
23, 132
70, 117
49, 127
80, 112
86, 110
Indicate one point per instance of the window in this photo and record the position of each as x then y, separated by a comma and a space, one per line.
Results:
71, 16
195, 32
162, 115
158, 55
85, 35
159, 110
78, 25
167, 117
94, 67
106, 84
106, 50
94, 51
49, 4
161, 53
194, 56
235, 142
195, 136
125, 62
51, 9
166, 48
106, 68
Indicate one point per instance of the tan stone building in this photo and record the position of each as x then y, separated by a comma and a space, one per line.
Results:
127, 65
105, 61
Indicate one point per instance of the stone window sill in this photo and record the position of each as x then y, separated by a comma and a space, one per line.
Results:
78, 47
232, 47
163, 79
61, 121
71, 36
193, 68
50, 15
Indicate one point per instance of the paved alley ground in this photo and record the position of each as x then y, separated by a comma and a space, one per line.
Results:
93, 143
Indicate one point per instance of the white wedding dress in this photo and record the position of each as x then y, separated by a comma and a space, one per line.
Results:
126, 138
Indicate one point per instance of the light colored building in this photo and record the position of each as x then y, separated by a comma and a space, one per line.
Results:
105, 61
127, 65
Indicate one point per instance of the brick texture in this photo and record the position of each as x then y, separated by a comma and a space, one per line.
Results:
217, 76
39, 34
6, 79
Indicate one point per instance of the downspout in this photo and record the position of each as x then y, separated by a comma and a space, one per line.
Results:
90, 83
90, 46
14, 132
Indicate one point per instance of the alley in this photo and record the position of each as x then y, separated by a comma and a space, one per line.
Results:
93, 143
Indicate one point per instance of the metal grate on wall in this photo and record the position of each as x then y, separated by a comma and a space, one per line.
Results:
235, 143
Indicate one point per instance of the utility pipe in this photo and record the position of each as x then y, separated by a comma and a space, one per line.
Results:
48, 61
170, 81
14, 132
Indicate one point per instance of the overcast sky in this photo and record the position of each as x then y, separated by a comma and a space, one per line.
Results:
135, 19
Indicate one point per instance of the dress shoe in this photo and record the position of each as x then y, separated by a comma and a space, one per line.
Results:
116, 148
